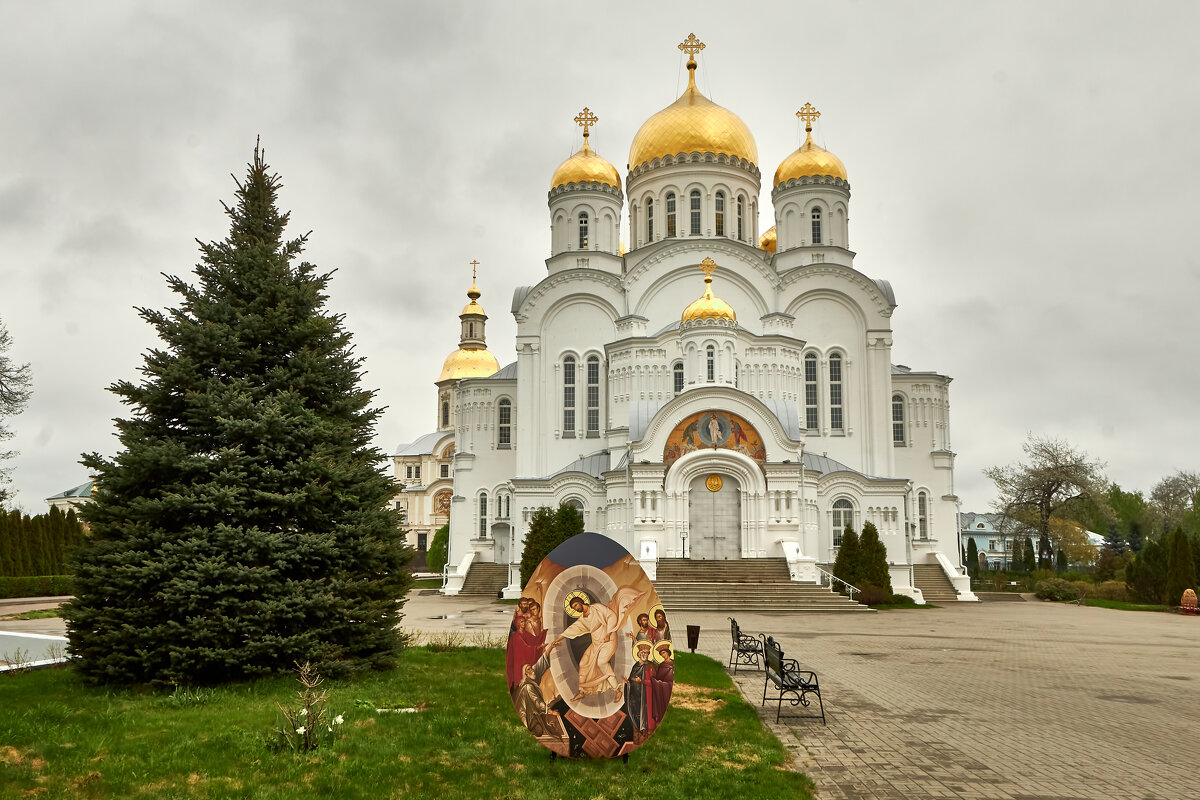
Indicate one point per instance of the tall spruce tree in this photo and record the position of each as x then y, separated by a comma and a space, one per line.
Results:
972, 557
872, 559
847, 563
1181, 570
242, 526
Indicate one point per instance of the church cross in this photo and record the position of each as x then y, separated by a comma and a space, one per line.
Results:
809, 115
708, 267
691, 45
587, 119
474, 264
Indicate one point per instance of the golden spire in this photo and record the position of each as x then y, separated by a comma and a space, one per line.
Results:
587, 119
691, 45
473, 292
809, 115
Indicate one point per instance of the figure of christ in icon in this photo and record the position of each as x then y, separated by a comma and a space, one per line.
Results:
714, 429
604, 624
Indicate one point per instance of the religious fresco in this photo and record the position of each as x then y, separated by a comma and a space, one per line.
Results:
441, 502
714, 429
590, 661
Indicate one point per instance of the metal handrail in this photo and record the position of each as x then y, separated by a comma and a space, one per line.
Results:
833, 578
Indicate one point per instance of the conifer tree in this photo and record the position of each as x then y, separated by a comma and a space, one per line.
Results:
1060, 564
1030, 556
1146, 575
1181, 570
972, 557
846, 565
872, 559
540, 539
242, 526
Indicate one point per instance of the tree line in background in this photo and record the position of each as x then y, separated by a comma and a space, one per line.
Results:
1058, 493
41, 545
15, 380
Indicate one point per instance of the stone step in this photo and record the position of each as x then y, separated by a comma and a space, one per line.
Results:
484, 580
934, 585
759, 584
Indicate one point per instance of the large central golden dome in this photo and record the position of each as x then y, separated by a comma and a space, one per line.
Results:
693, 123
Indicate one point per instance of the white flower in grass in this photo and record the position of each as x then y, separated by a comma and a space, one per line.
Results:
331, 730
304, 712
301, 729
338, 720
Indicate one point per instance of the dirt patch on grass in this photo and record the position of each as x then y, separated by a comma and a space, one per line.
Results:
695, 698
728, 759
11, 755
80, 781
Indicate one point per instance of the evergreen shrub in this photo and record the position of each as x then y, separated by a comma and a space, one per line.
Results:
1056, 589
37, 586
872, 595
439, 546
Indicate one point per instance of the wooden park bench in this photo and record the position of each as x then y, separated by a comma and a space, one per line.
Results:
746, 650
789, 680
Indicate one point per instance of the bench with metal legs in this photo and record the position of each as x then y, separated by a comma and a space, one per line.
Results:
745, 651
788, 680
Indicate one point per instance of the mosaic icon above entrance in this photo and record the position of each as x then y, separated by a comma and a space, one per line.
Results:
714, 430
713, 483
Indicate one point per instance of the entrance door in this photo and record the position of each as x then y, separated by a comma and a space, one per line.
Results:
715, 518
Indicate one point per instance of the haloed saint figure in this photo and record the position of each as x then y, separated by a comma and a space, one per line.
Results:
585, 649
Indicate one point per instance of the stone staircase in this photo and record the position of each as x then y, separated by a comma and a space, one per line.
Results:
750, 584
933, 583
484, 580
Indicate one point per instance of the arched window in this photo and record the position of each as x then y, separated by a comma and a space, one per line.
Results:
898, 420
576, 504
843, 515
816, 226
569, 397
695, 208
504, 424
593, 397
712, 363
678, 370
670, 214
741, 218
649, 221
483, 515
835, 392
470, 330
719, 209
445, 414
922, 515
811, 419
583, 230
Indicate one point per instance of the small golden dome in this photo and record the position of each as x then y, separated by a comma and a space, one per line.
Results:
585, 167
708, 306
469, 364
768, 241
473, 307
810, 160
693, 123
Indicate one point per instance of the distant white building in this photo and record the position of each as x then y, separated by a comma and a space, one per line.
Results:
72, 498
709, 394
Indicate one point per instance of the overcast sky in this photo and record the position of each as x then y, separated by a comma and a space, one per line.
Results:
1027, 176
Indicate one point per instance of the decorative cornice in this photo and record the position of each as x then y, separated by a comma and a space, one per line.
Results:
812, 180
590, 186
761, 262
812, 271
693, 158
572, 276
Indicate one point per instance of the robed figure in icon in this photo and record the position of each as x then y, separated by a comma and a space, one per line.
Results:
604, 623
531, 706
525, 639
638, 692
664, 682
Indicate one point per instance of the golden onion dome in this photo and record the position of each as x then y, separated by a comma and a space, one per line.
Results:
768, 241
463, 363
708, 306
585, 167
810, 160
693, 123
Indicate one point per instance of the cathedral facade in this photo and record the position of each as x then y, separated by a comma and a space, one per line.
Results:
712, 393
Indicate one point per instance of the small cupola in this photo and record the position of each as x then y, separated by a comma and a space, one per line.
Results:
585, 201
709, 307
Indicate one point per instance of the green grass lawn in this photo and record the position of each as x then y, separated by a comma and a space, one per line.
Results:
62, 738
1121, 605
43, 613
427, 583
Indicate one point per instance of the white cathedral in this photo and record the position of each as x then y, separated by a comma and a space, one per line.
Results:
709, 394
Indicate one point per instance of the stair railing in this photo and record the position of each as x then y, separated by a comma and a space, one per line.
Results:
834, 578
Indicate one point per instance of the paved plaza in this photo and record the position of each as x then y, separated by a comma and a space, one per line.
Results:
1021, 700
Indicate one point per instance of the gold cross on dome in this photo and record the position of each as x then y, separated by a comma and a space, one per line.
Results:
691, 45
474, 264
708, 267
809, 115
587, 119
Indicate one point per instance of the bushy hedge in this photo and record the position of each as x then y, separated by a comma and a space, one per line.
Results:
872, 595
37, 586
1056, 589
1110, 590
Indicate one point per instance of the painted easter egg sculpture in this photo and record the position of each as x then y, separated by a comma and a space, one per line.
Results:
590, 661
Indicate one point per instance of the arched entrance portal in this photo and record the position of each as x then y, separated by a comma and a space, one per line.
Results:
715, 517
